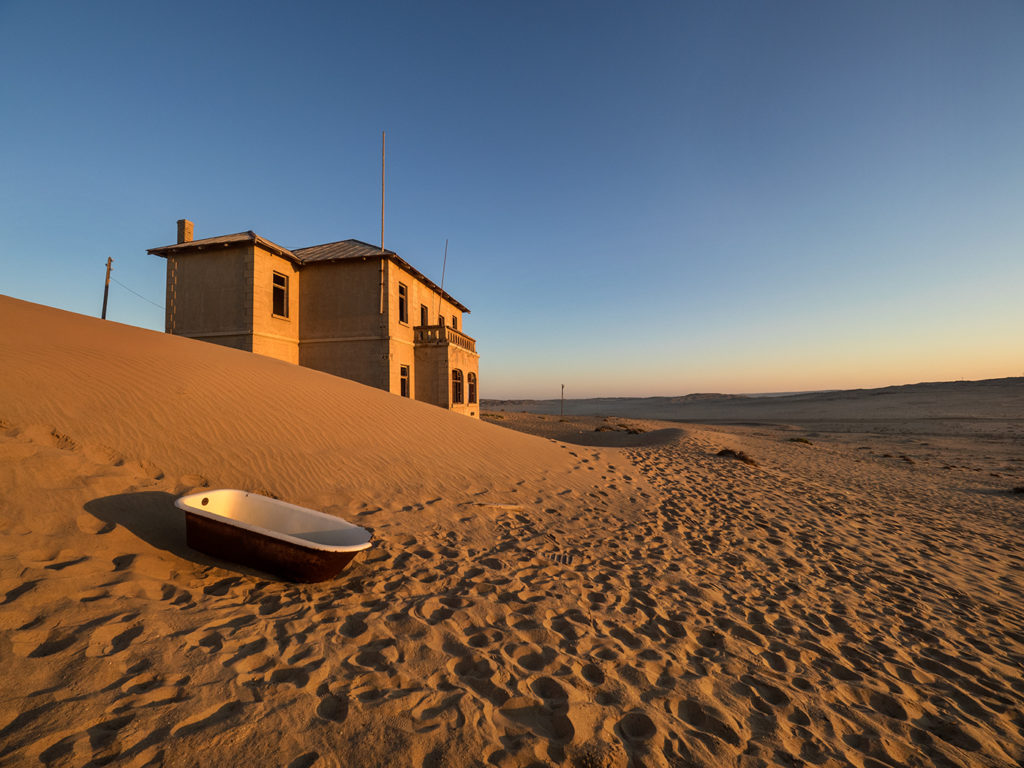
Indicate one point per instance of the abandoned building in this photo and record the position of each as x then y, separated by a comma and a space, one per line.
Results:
347, 308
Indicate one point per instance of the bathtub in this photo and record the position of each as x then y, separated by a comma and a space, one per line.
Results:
293, 542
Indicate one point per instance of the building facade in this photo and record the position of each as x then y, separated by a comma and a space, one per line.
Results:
346, 308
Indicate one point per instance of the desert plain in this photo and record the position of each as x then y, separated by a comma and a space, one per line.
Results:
604, 588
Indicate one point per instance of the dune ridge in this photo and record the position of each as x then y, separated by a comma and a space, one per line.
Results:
313, 435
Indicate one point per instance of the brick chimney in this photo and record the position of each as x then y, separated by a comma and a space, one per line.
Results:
184, 231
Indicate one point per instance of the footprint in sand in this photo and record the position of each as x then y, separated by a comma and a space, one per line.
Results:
62, 441
188, 482
209, 718
333, 707
93, 525
551, 723
102, 454
110, 639
709, 720
593, 674
40, 558
636, 729
296, 676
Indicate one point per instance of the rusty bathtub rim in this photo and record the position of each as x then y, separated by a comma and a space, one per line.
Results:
190, 503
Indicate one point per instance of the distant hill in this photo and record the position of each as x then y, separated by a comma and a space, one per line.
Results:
985, 400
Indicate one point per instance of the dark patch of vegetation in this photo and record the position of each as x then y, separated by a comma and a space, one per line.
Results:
803, 440
1019, 490
907, 459
620, 428
492, 415
729, 453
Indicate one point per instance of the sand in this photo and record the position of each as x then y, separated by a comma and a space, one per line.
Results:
567, 597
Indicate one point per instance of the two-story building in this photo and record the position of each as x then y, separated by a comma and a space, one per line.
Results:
347, 308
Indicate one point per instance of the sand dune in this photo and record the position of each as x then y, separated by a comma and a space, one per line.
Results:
642, 601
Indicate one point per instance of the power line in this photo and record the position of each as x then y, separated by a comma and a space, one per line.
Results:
158, 306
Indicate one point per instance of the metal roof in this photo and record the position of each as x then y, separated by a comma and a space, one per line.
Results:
344, 250
341, 250
338, 251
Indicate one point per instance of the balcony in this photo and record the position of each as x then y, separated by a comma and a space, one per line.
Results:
442, 335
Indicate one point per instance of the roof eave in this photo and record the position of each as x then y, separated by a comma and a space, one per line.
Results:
275, 248
419, 275
254, 239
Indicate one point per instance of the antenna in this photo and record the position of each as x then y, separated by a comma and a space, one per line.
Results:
443, 265
382, 140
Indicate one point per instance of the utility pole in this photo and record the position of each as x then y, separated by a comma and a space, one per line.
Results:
561, 411
106, 290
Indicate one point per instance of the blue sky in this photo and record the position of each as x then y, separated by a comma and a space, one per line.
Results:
640, 199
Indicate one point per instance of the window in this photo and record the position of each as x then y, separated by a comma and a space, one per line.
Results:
280, 298
440, 320
455, 322
404, 373
471, 383
403, 303
456, 386
424, 315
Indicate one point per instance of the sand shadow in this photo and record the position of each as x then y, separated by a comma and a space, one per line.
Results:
618, 438
625, 439
152, 516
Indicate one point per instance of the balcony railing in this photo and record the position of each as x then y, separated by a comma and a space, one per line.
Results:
440, 335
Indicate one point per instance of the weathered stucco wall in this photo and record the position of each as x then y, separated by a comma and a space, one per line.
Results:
365, 361
419, 295
343, 330
430, 366
432, 375
341, 300
467, 362
274, 336
208, 296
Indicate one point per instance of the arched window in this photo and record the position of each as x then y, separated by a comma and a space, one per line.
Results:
471, 382
456, 386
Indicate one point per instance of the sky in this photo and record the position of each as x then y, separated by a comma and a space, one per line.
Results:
650, 198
